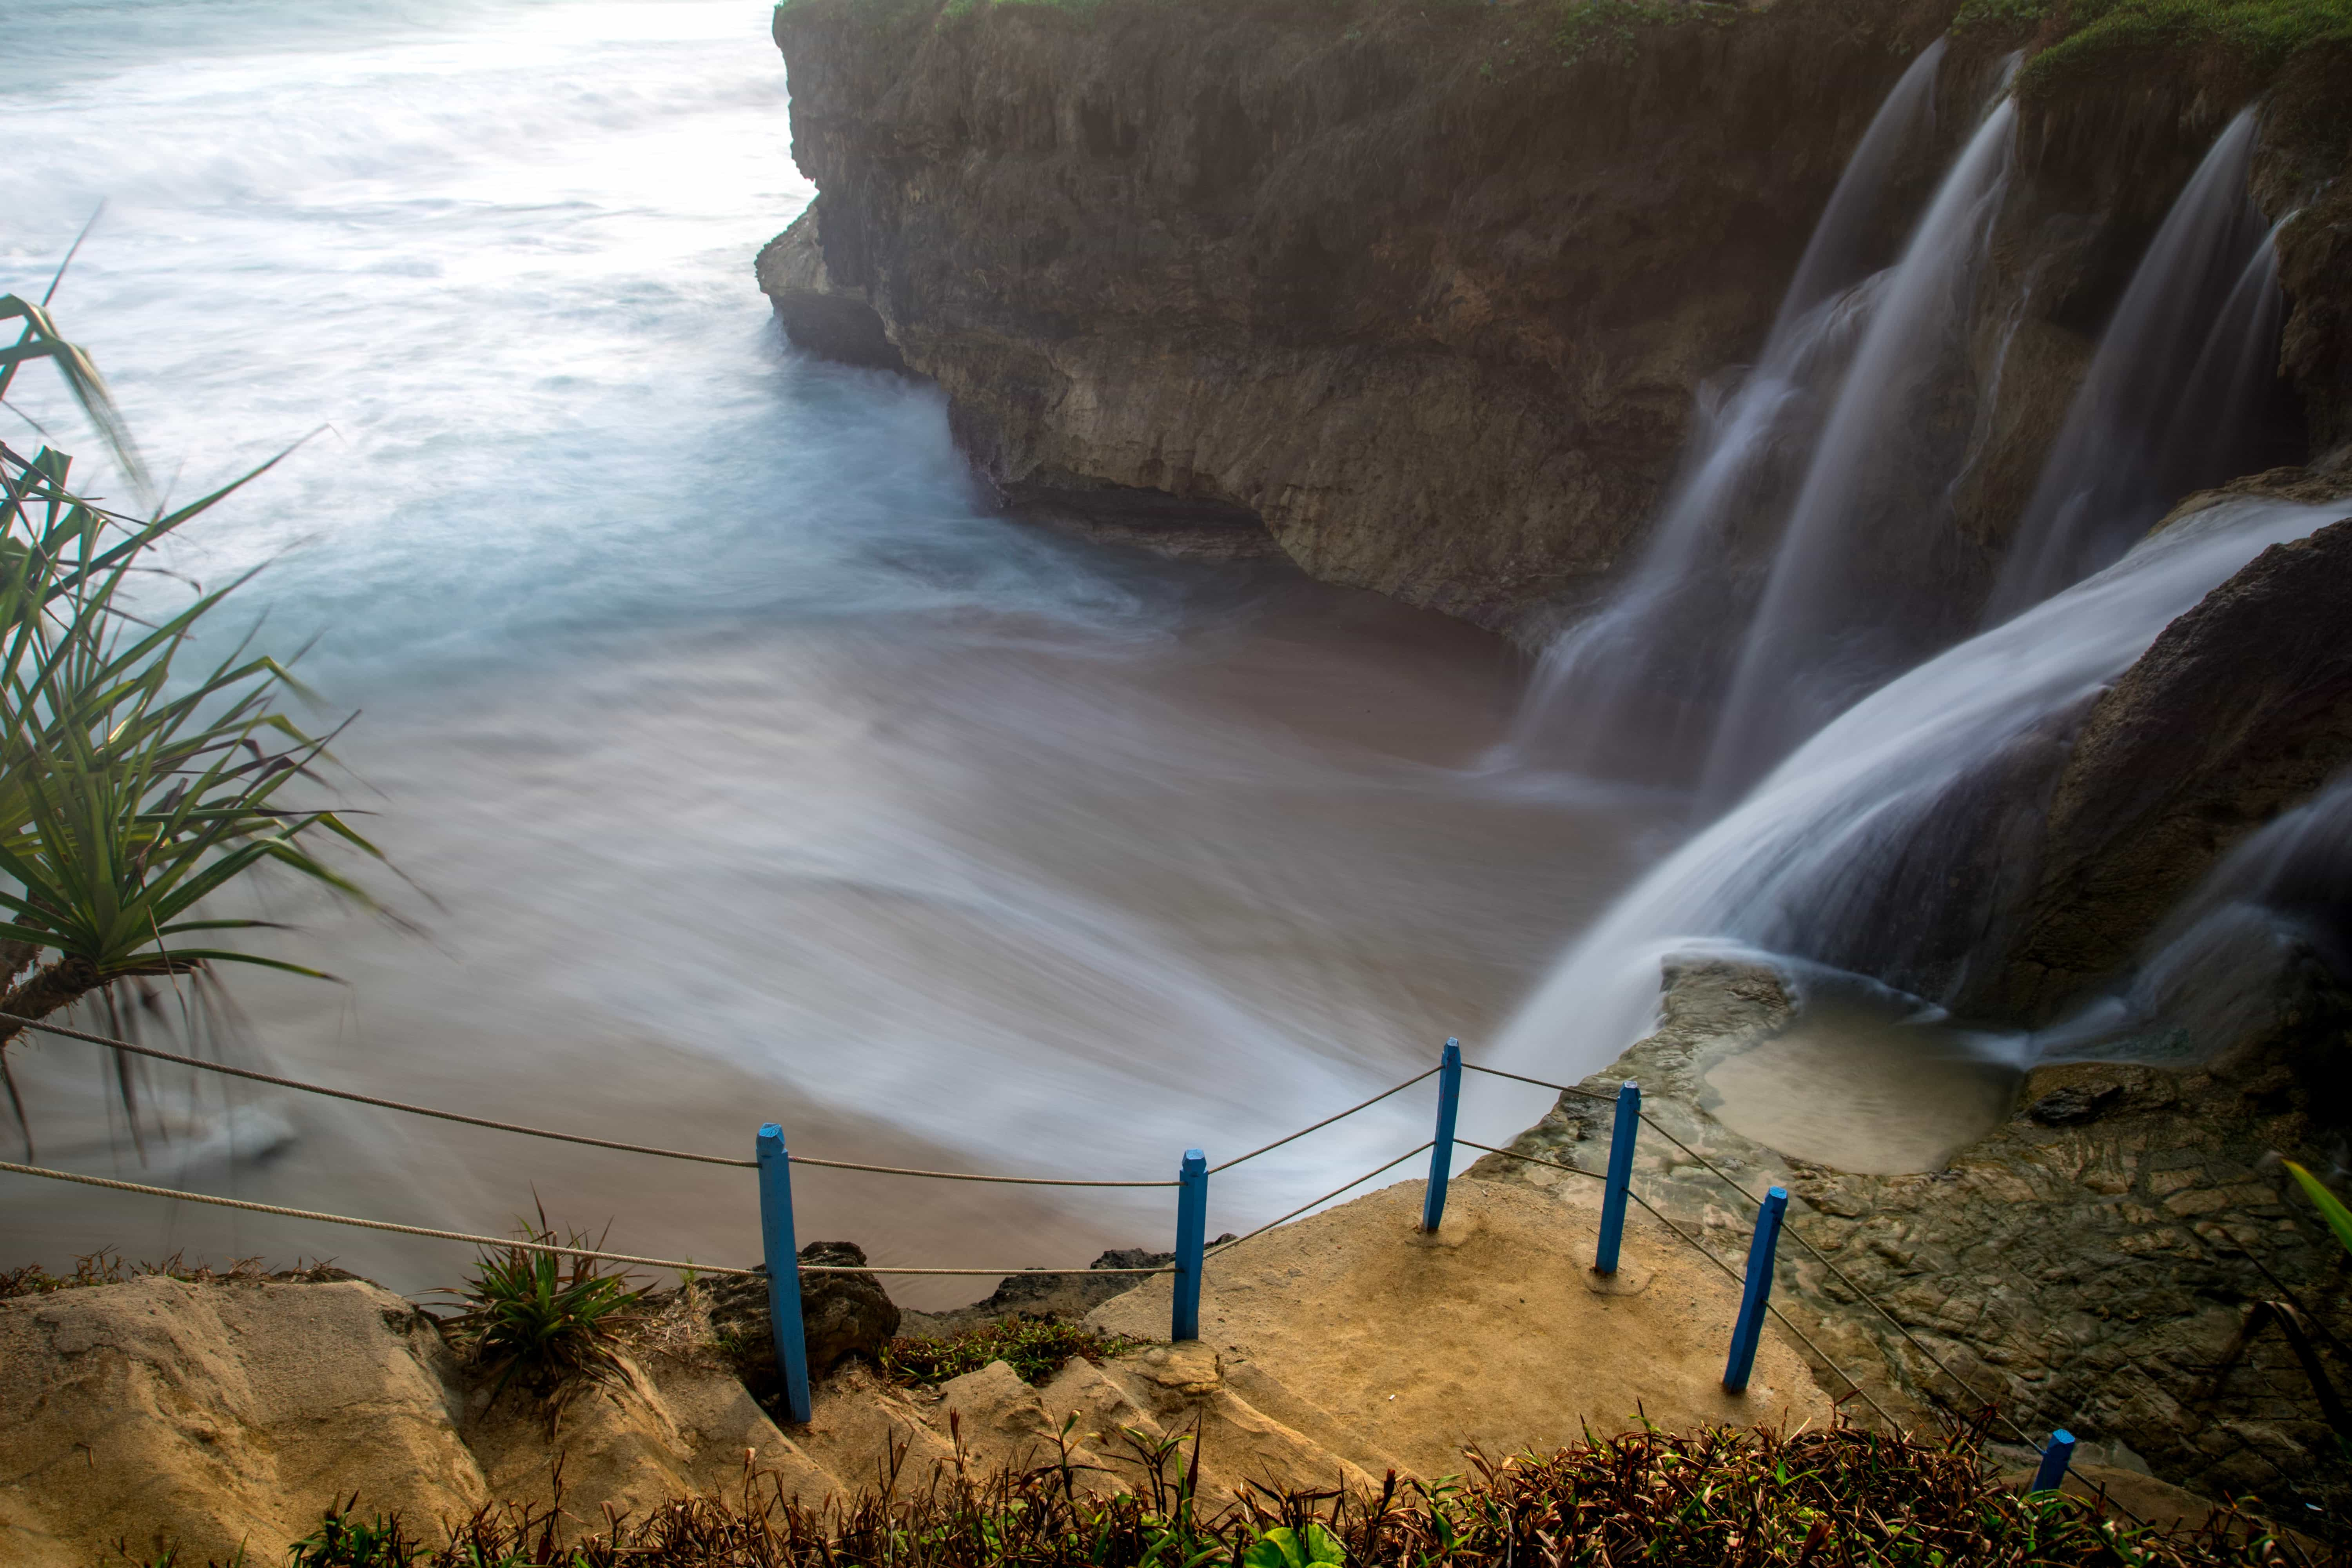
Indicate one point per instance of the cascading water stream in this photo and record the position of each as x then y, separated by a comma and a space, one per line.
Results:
1832, 621
1623, 678
1814, 862
2173, 402
2213, 973
1833, 253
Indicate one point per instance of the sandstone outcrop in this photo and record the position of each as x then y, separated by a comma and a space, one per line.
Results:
160, 1413
217, 1416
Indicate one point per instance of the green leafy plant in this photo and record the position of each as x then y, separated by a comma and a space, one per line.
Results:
1036, 1349
133, 788
1282, 1547
550, 1319
2331, 1208
341, 1541
1610, 29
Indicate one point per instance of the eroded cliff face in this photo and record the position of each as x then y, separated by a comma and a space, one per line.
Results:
1424, 293
1392, 279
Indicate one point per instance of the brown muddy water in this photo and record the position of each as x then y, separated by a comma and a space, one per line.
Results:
984, 896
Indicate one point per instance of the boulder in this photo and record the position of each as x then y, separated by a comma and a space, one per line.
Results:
843, 1315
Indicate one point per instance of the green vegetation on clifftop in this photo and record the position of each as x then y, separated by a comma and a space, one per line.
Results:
2085, 41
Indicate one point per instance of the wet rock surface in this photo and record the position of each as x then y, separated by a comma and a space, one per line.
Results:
2089, 1265
2241, 708
1063, 1295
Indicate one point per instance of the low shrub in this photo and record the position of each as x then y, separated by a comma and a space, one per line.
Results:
549, 1319
1037, 1348
1718, 1498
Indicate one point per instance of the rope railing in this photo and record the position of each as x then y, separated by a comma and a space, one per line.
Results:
1515, 1078
1802, 1239
783, 1268
1317, 1127
113, 1185
683, 1266
1530, 1159
272, 1078
1225, 1247
529, 1132
1703, 1251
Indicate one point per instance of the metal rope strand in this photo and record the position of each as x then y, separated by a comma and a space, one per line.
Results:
1702, 1249
273, 1078
1530, 1159
1515, 1078
961, 1176
1327, 1197
1725, 1178
1325, 1122
1779, 1316
497, 1241
494, 1241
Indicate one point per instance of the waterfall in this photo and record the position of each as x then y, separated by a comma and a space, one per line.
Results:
1833, 254
2173, 399
1629, 678
2212, 974
1630, 688
1835, 619
1876, 817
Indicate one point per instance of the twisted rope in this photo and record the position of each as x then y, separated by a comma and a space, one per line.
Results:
677, 1265
1326, 1121
273, 1078
1327, 1197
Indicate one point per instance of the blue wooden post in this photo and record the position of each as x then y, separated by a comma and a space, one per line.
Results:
1749, 1329
1621, 1176
2054, 1460
1192, 1231
783, 1256
1441, 1158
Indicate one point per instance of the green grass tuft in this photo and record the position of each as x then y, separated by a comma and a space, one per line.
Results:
550, 1321
1037, 1348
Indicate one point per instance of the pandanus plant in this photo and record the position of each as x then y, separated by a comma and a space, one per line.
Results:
132, 787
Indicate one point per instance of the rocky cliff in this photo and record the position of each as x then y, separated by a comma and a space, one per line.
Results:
1424, 293
1390, 281
2092, 1262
